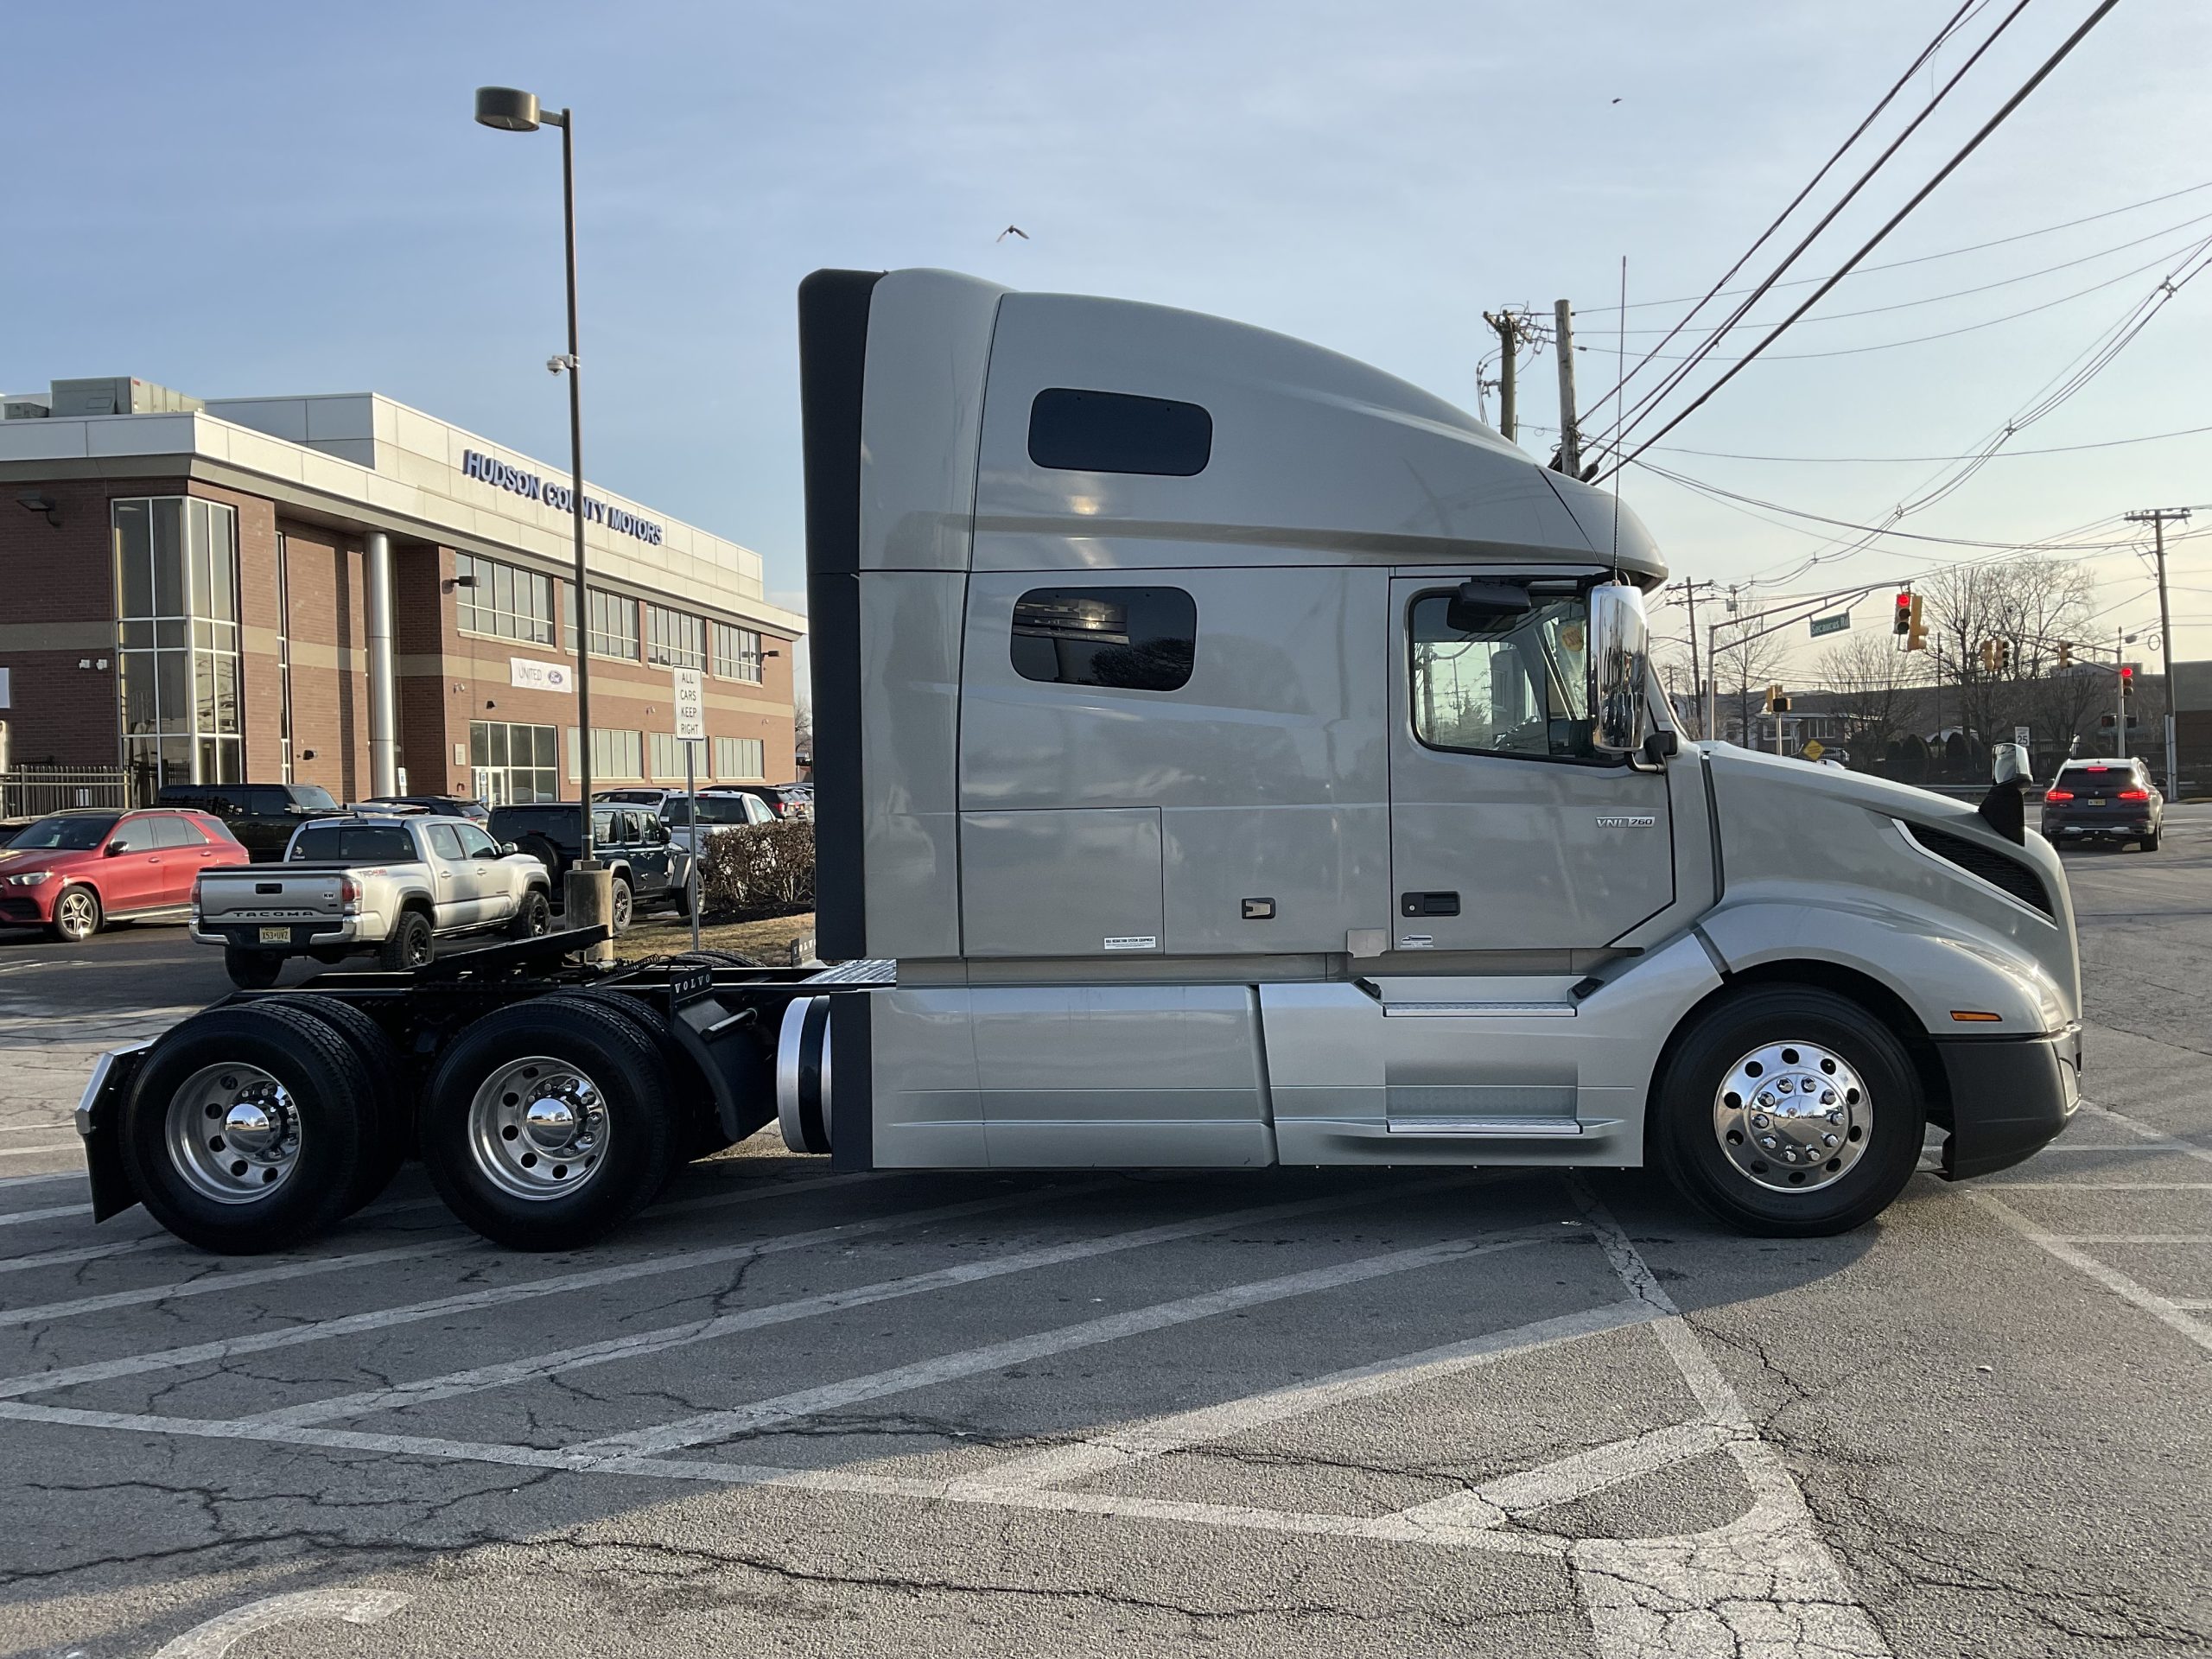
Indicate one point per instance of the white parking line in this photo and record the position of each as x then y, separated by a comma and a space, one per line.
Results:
1159, 1436
711, 1426
37, 1180
43, 1151
1495, 1503
534, 1366
2146, 1132
22, 1218
219, 1636
2096, 1187
468, 1301
91, 1253
2133, 1238
2164, 1309
216, 1279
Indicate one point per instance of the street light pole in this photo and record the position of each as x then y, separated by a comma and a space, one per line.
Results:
590, 888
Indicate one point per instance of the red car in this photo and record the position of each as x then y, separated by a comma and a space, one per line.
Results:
75, 871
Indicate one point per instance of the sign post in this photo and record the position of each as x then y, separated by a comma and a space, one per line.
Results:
690, 703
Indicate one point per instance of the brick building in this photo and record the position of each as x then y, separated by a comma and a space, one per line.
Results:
217, 592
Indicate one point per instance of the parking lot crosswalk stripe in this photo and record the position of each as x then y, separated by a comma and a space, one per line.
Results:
2162, 1309
1495, 1503
215, 1279
1159, 1436
712, 1426
534, 1366
22, 1218
468, 1301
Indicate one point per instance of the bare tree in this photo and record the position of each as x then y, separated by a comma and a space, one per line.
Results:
1742, 670
2000, 624
1872, 684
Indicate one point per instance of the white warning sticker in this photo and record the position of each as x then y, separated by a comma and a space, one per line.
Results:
1134, 941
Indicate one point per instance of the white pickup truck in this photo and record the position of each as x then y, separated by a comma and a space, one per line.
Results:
354, 886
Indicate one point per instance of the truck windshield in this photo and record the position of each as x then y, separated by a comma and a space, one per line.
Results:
61, 835
355, 843
1519, 686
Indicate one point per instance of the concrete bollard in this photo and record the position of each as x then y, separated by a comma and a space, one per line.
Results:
588, 894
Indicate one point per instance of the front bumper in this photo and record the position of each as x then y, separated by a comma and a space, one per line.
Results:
2010, 1098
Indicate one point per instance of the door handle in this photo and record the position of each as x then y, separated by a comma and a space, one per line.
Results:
1429, 903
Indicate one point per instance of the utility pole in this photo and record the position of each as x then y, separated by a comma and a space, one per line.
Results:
1701, 681
2157, 518
1509, 336
2120, 687
1570, 440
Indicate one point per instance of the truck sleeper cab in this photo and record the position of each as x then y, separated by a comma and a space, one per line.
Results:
1227, 754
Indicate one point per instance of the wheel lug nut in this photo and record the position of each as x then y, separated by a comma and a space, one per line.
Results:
1758, 1120
1828, 1140
1767, 1141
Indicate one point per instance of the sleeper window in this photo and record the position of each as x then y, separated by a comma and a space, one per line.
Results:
1517, 685
1071, 430
1131, 639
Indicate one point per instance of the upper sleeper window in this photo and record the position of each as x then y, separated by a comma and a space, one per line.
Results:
1115, 432
1132, 639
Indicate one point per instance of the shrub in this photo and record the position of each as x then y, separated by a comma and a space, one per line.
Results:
767, 870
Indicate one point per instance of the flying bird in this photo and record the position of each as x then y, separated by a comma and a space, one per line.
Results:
1011, 229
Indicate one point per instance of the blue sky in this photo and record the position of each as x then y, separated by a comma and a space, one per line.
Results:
235, 199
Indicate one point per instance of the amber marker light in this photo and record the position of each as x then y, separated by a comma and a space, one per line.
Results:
1974, 1016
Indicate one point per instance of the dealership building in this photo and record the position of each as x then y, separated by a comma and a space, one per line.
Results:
341, 590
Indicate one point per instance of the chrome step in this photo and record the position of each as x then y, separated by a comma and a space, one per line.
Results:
1478, 1010
1493, 1128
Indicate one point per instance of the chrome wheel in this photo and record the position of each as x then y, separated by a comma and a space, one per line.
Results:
233, 1133
538, 1129
76, 914
1792, 1117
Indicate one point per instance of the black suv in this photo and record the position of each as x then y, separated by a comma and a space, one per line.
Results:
2104, 800
631, 841
260, 815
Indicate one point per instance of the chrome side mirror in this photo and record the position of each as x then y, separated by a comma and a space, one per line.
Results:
1620, 649
2009, 764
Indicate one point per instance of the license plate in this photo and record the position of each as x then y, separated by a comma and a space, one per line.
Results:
275, 935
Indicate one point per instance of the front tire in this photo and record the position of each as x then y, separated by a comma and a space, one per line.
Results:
549, 1123
533, 918
622, 908
244, 1130
1788, 1112
77, 915
253, 970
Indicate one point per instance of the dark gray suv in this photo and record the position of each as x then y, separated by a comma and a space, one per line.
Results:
2104, 800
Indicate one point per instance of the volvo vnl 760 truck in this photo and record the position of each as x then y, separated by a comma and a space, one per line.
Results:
1228, 754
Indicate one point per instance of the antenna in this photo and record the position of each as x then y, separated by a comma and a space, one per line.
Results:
1623, 338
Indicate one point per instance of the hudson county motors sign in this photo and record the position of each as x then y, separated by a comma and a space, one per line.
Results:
490, 470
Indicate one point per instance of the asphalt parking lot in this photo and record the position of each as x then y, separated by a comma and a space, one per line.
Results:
1285, 1412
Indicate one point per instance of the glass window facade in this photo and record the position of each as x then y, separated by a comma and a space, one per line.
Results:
504, 601
674, 639
176, 584
668, 756
739, 758
512, 764
737, 653
613, 622
615, 756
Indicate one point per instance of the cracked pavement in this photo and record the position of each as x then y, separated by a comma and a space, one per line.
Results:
1366, 1413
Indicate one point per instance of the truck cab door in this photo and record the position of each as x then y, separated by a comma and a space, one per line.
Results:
1508, 831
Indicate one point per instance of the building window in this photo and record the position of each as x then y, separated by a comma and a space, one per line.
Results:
512, 764
613, 622
176, 585
737, 653
506, 602
740, 757
614, 755
673, 640
1130, 639
668, 756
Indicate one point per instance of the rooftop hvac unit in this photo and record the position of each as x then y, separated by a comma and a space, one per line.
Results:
118, 395
24, 408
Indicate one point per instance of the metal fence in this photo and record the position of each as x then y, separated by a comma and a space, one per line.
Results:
27, 791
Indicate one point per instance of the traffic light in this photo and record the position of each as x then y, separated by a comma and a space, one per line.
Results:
1989, 656
1917, 639
2066, 653
1903, 625
2003, 655
1778, 701
2126, 683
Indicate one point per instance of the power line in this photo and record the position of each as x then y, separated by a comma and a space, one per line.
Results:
1674, 376
1926, 258
1958, 159
1877, 460
2003, 282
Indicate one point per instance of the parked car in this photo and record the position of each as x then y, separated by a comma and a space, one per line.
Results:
262, 816
2104, 800
439, 806
351, 886
649, 868
720, 809
75, 872
784, 800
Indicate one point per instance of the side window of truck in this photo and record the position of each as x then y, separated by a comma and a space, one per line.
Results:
1517, 685
1130, 639
443, 842
1077, 431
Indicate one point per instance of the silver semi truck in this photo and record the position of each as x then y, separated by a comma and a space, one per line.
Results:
1227, 755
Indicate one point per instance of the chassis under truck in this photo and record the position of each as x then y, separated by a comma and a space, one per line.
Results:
1230, 755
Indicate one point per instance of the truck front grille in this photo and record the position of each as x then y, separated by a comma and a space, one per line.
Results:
1993, 867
